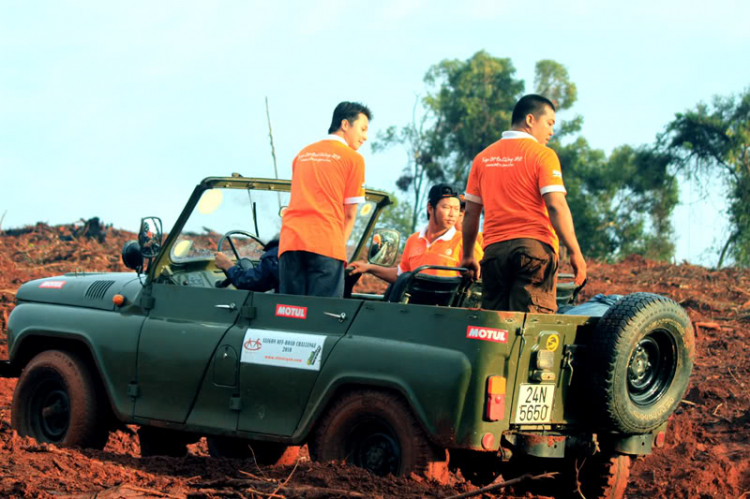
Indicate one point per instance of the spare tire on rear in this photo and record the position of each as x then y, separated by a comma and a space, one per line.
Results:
641, 357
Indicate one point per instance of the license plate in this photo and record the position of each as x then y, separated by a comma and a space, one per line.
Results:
534, 403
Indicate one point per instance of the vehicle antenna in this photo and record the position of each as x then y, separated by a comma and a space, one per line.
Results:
273, 149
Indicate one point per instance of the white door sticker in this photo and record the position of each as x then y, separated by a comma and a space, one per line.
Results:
282, 349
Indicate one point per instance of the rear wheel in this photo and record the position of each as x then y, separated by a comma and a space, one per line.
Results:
604, 476
57, 401
377, 431
265, 453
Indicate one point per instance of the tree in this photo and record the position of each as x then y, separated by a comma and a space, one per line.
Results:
420, 168
473, 103
621, 204
715, 141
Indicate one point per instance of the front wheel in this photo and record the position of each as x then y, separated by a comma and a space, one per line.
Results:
377, 431
56, 401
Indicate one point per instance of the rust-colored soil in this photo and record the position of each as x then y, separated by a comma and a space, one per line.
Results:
707, 453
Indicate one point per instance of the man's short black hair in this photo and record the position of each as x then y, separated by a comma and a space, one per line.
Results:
530, 104
349, 111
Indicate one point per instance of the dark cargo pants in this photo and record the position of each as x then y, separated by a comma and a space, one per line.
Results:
310, 274
519, 275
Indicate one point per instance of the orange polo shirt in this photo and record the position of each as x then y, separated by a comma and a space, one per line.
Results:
510, 178
326, 175
446, 250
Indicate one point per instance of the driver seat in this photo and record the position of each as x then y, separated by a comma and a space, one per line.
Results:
426, 289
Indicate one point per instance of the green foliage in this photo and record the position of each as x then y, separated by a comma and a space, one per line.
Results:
473, 103
420, 168
620, 205
553, 81
714, 141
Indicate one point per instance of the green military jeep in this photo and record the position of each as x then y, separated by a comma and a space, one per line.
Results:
418, 381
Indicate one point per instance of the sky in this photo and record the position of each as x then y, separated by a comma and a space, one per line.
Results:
118, 109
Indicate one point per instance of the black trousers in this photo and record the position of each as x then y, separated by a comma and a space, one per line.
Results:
310, 274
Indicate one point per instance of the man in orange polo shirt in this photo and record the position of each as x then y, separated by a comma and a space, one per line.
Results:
437, 244
327, 186
519, 183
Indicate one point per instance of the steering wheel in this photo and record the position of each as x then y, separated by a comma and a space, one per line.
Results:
242, 262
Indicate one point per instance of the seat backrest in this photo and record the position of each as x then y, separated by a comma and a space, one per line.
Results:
425, 289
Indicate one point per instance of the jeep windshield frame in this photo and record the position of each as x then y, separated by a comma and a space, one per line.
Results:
254, 205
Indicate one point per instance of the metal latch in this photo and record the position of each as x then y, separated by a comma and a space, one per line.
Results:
134, 390
248, 312
568, 359
341, 317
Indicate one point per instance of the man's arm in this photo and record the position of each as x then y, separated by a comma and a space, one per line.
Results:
350, 214
470, 228
562, 221
388, 274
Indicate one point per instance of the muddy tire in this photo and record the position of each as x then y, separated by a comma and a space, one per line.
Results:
641, 358
162, 442
265, 453
605, 476
377, 431
57, 401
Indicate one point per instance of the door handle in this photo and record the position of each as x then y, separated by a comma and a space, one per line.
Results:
341, 317
229, 307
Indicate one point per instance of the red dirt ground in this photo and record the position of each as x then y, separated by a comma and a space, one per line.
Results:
707, 453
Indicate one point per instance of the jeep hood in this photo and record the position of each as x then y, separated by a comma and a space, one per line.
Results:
90, 290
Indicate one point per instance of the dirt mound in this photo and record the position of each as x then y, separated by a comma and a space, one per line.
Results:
707, 453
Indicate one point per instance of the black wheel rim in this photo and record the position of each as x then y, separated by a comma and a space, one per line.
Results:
651, 368
374, 446
50, 411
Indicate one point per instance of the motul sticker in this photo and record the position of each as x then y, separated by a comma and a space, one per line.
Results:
52, 284
291, 311
282, 349
487, 334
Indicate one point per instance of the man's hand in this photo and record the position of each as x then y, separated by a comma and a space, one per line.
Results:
470, 263
579, 267
359, 267
222, 261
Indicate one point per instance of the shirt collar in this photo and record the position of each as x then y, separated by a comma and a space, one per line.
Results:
445, 237
515, 134
336, 137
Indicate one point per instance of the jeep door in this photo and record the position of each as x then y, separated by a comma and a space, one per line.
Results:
283, 350
177, 343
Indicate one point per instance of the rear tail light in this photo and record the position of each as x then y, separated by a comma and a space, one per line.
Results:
495, 408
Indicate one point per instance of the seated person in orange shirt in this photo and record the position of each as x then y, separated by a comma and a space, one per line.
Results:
437, 244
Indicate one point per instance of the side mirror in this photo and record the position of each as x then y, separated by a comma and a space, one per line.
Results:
384, 247
131, 255
149, 236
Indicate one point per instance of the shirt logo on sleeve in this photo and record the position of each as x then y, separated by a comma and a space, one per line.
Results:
487, 334
557, 173
291, 311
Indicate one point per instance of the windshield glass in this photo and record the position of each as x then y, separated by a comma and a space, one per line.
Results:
224, 210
